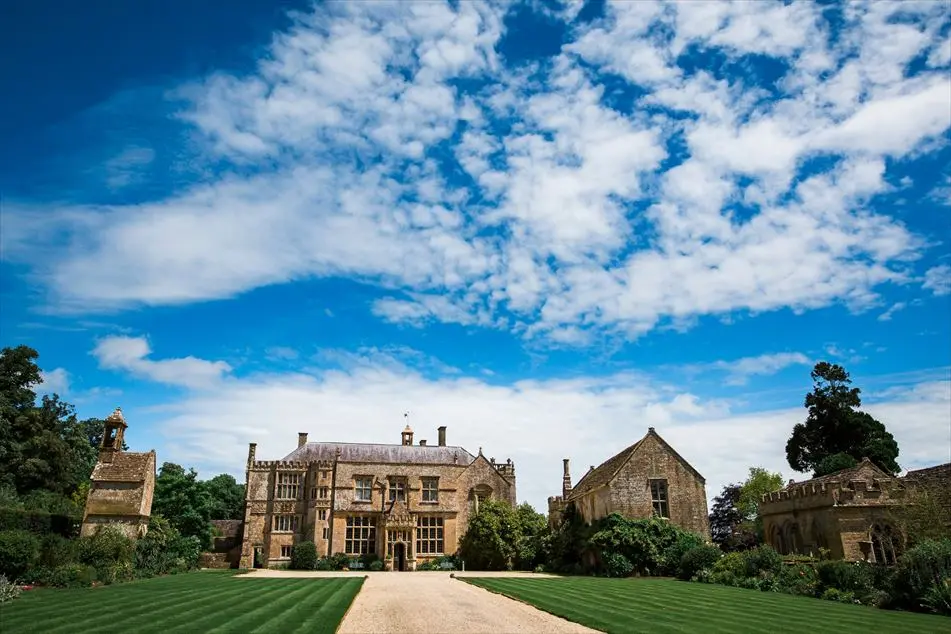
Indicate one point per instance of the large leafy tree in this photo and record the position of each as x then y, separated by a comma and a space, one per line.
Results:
184, 501
836, 434
492, 537
726, 518
532, 547
226, 497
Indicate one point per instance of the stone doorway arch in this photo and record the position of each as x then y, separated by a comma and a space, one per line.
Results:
399, 556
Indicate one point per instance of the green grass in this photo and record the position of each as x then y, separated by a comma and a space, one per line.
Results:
207, 601
664, 605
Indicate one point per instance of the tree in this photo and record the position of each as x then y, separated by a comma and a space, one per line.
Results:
94, 428
181, 499
531, 549
835, 427
490, 541
726, 517
734, 519
226, 497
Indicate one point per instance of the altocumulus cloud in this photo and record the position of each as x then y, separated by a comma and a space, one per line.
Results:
534, 422
403, 149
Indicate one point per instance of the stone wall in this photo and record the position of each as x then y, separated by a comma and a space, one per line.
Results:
630, 492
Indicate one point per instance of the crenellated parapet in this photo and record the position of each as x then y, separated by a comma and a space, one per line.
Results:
283, 465
506, 469
835, 493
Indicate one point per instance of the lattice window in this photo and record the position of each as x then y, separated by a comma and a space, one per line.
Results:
361, 535
363, 489
285, 523
326, 532
397, 490
322, 514
286, 552
429, 535
287, 487
659, 498
430, 489
323, 493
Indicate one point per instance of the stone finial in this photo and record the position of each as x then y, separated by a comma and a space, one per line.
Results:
116, 415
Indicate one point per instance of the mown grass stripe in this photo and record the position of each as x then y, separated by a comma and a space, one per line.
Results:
626, 605
287, 620
331, 613
268, 604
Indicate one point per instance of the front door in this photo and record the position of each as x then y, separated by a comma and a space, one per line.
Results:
399, 556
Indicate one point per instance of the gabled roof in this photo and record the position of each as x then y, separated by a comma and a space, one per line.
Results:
125, 467
380, 453
844, 475
603, 474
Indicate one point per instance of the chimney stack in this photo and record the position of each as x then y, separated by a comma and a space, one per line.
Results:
301, 439
442, 436
566, 480
252, 450
422, 443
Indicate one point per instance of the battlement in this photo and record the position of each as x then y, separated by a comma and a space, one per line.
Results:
837, 492
280, 464
506, 469
555, 499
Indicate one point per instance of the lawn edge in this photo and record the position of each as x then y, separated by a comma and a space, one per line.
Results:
356, 594
524, 602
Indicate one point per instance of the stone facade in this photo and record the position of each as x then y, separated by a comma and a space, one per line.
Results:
402, 502
648, 478
121, 486
851, 513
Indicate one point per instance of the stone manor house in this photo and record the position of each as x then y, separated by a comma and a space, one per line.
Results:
649, 478
404, 502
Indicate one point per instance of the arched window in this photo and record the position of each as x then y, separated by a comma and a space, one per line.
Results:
792, 539
778, 543
887, 543
477, 495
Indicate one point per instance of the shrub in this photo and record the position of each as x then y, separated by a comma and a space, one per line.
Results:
733, 564
938, 597
761, 559
56, 550
8, 590
856, 577
19, 550
107, 547
67, 576
674, 554
617, 565
324, 564
304, 556
834, 594
800, 579
702, 557
918, 571
339, 561
377, 565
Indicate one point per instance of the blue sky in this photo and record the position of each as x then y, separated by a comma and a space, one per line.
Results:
545, 225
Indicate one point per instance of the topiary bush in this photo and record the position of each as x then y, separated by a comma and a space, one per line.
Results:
19, 550
304, 556
917, 573
703, 557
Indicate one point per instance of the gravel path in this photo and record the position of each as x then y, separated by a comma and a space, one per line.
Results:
433, 603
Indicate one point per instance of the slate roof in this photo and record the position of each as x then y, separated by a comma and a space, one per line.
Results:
125, 467
381, 453
603, 474
939, 474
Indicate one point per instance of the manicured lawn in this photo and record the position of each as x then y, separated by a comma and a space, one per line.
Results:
207, 601
664, 605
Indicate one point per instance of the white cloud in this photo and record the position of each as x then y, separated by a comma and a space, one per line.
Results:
938, 279
894, 308
740, 370
534, 422
131, 355
126, 167
562, 215
55, 381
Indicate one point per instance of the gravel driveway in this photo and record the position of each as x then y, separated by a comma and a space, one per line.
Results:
433, 603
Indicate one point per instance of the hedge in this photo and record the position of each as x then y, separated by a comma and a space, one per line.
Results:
39, 522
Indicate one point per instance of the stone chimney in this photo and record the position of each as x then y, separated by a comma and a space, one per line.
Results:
422, 443
442, 436
407, 436
566, 480
301, 439
252, 450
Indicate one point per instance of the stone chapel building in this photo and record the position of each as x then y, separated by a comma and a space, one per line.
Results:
647, 479
405, 503
850, 512
122, 482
